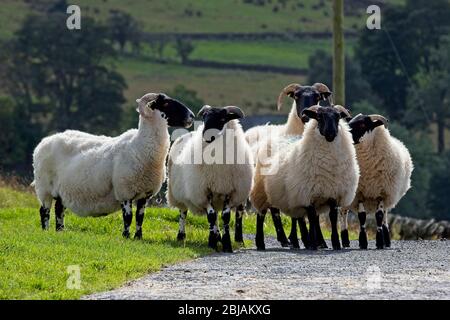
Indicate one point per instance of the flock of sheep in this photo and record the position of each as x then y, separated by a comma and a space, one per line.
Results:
322, 159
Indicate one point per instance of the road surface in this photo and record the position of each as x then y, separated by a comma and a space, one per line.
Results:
409, 270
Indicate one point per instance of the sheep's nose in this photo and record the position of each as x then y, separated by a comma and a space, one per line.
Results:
330, 138
189, 121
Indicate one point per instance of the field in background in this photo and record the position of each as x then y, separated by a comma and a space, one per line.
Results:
254, 91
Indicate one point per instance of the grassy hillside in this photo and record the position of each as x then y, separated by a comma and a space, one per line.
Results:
255, 91
212, 16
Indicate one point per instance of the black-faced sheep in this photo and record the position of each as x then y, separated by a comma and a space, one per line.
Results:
211, 169
386, 168
96, 175
306, 176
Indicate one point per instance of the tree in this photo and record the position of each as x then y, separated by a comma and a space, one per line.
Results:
391, 57
12, 144
184, 48
61, 79
157, 48
124, 28
320, 70
429, 101
188, 97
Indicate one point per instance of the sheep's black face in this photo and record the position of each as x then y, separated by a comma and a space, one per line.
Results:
307, 96
177, 114
328, 121
215, 119
360, 125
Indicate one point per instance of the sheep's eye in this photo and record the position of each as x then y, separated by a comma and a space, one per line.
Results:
166, 104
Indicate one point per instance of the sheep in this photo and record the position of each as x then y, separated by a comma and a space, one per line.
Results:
305, 176
386, 168
96, 175
304, 97
205, 185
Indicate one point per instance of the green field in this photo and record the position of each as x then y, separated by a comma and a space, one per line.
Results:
33, 263
256, 92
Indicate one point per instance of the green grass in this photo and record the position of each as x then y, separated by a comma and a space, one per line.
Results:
33, 263
282, 53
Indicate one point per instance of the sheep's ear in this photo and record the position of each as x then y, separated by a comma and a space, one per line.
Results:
234, 113
310, 113
378, 120
343, 112
203, 110
158, 102
324, 91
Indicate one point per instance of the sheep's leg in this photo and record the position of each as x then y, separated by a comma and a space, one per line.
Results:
293, 235
214, 234
304, 232
45, 217
127, 215
344, 228
321, 243
313, 219
281, 236
59, 213
334, 230
259, 239
182, 226
140, 211
226, 215
379, 214
386, 231
362, 226
238, 237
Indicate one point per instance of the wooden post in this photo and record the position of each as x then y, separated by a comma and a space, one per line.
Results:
338, 53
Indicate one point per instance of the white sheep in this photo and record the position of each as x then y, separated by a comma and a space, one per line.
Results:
96, 175
211, 169
304, 97
313, 173
386, 168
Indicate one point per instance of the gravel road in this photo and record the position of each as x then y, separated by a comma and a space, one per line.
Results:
409, 270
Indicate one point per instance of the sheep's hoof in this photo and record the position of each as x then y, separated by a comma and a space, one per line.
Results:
306, 243
138, 235
59, 228
322, 245
213, 240
238, 238
380, 239
181, 236
335, 242
294, 244
126, 234
386, 236
284, 244
345, 239
226, 243
260, 245
363, 240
